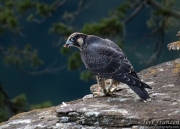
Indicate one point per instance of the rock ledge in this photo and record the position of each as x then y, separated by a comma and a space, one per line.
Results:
120, 110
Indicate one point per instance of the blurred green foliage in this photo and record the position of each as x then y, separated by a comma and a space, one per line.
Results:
106, 27
11, 12
74, 61
64, 50
86, 75
23, 57
45, 104
61, 29
4, 114
17, 105
11, 107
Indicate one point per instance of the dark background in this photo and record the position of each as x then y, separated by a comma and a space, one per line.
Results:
66, 85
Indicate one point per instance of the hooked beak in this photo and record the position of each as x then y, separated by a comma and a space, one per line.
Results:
68, 44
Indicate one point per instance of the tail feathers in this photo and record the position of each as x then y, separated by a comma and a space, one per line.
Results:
141, 92
134, 74
129, 80
135, 84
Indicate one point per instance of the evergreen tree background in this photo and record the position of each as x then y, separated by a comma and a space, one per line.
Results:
37, 72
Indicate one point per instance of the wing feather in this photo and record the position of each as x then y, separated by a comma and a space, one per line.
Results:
105, 60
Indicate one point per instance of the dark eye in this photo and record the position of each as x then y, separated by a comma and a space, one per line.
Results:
74, 38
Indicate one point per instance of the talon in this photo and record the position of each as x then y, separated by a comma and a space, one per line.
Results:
110, 89
98, 94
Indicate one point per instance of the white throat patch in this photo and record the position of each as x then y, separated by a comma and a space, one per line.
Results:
80, 41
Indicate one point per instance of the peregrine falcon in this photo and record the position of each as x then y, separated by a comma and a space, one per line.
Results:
107, 61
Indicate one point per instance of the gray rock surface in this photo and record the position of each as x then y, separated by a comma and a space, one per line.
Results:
122, 109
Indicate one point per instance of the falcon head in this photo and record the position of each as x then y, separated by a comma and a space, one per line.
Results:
76, 39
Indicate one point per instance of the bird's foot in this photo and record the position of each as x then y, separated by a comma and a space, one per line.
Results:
99, 94
104, 92
110, 89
